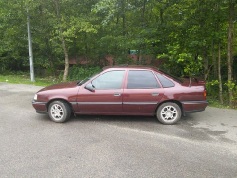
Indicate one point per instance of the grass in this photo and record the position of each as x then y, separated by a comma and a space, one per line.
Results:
216, 103
25, 79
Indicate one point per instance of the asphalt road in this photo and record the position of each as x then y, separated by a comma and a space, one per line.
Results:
200, 145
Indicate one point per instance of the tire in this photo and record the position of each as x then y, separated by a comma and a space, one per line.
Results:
59, 111
168, 113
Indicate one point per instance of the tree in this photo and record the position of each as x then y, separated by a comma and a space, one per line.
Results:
188, 35
231, 13
65, 50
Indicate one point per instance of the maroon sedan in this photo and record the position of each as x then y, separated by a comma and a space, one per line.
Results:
124, 90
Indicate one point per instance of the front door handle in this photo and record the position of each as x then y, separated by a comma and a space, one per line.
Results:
117, 94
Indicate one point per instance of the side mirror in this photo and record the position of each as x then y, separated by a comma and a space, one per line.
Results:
90, 87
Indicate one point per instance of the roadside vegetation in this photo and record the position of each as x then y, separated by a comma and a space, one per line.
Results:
24, 78
76, 73
73, 39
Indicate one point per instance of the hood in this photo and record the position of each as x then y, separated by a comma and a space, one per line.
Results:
61, 86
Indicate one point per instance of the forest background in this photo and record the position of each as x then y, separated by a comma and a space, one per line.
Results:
75, 38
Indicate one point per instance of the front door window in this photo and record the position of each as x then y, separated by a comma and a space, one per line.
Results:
109, 80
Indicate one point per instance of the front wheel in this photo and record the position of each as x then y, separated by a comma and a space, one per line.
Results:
168, 113
59, 111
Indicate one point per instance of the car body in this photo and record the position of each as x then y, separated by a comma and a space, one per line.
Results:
124, 90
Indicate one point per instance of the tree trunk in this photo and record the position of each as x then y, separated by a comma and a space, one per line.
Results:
143, 24
66, 69
219, 74
230, 46
205, 63
215, 70
140, 61
161, 16
123, 11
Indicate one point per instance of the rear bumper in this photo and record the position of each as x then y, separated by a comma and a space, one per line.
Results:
194, 106
40, 107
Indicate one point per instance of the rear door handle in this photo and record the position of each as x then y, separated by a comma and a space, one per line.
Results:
117, 94
154, 94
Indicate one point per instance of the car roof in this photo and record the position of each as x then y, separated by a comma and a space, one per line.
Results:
130, 67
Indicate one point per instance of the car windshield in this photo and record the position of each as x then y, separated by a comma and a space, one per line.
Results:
86, 79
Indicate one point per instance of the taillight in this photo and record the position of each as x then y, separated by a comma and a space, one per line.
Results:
205, 93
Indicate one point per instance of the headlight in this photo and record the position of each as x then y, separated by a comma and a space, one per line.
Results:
35, 97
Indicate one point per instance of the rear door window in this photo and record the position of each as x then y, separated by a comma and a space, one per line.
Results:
141, 79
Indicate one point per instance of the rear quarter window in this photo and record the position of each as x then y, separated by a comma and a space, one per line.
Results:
165, 82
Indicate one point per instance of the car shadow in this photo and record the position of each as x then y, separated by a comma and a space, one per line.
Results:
184, 121
112, 118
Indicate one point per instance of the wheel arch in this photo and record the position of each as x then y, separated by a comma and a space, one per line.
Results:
59, 99
171, 101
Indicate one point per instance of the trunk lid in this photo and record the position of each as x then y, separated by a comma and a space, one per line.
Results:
193, 81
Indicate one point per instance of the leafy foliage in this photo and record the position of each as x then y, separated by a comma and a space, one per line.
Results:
79, 73
187, 35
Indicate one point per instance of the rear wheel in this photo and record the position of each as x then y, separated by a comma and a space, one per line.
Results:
59, 111
168, 113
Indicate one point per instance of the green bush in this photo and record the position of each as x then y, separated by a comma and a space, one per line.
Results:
212, 88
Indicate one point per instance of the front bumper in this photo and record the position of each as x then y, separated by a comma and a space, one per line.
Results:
40, 107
